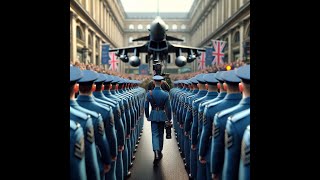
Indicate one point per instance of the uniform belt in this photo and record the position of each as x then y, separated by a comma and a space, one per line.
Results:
158, 109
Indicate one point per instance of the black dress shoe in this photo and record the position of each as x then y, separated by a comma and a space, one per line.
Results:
133, 158
190, 177
160, 155
156, 157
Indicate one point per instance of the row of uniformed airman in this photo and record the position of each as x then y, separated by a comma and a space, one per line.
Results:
210, 126
106, 120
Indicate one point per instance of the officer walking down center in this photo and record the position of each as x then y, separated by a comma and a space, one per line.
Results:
159, 115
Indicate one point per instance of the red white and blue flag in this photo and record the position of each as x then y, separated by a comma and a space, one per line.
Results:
113, 62
217, 53
201, 61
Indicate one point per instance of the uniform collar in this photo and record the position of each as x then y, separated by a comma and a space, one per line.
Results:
202, 92
85, 98
106, 92
195, 91
212, 93
73, 102
98, 94
233, 96
222, 95
156, 88
245, 101
112, 91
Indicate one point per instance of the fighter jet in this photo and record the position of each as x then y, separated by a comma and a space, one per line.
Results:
158, 47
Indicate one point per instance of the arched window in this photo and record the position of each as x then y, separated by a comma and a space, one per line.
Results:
140, 26
183, 26
131, 26
148, 26
97, 43
79, 33
236, 37
89, 40
174, 27
167, 27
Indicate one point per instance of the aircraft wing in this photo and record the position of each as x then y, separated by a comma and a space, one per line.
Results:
173, 47
171, 38
130, 49
144, 38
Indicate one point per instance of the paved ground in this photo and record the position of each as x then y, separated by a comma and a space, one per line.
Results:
171, 166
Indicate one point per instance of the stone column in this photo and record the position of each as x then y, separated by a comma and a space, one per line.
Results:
229, 8
241, 31
230, 55
86, 37
93, 55
74, 38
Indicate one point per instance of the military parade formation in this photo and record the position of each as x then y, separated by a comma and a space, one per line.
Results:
106, 121
211, 118
210, 115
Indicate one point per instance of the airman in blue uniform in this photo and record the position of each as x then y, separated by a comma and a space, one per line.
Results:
197, 119
179, 111
92, 167
244, 169
160, 113
238, 120
116, 85
77, 155
181, 116
119, 126
91, 157
222, 93
235, 128
86, 100
124, 115
103, 151
135, 106
129, 116
190, 119
191, 91
172, 94
232, 98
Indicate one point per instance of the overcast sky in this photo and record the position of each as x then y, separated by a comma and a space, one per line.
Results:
151, 5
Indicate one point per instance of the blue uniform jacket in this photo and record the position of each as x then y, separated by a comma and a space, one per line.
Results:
99, 132
229, 101
162, 100
218, 142
89, 103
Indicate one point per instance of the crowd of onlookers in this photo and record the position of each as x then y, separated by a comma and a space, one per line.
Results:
209, 69
102, 69
147, 78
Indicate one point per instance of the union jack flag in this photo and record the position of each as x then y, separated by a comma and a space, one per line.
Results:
113, 62
217, 53
201, 61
